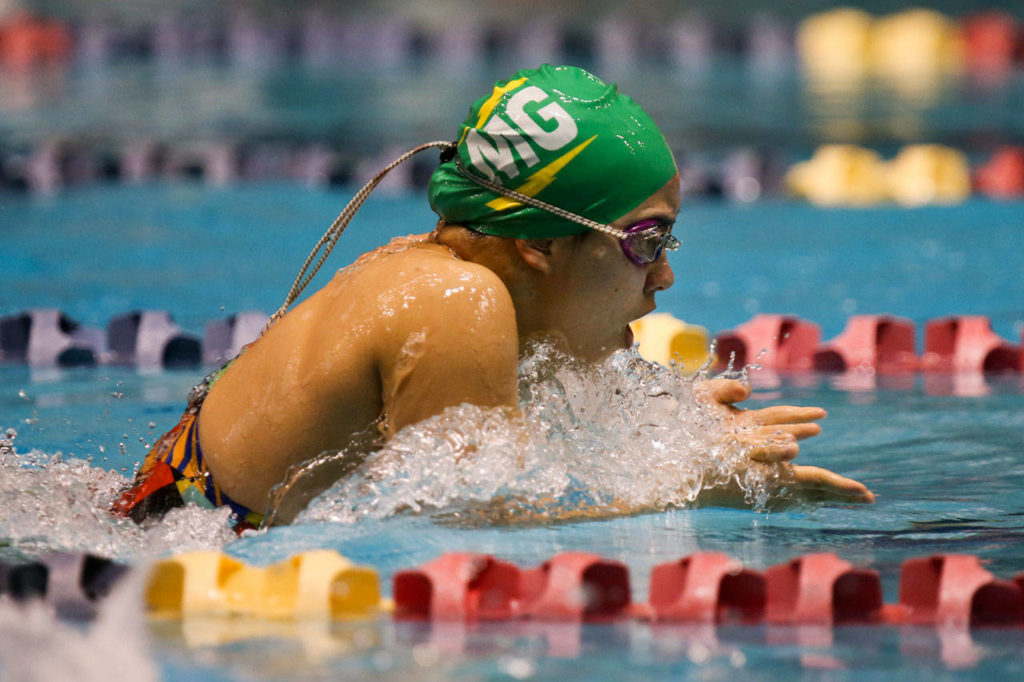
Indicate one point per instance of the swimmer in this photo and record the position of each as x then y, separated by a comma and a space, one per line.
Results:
556, 208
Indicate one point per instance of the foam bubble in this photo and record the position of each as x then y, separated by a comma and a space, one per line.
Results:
620, 437
35, 644
57, 504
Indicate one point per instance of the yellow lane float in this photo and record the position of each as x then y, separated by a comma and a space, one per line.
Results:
667, 340
834, 45
848, 175
915, 46
318, 583
924, 174
840, 175
910, 49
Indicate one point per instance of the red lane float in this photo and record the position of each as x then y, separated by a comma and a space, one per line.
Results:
458, 586
990, 41
1002, 176
821, 589
778, 342
26, 40
954, 590
707, 587
573, 586
576, 586
967, 344
881, 343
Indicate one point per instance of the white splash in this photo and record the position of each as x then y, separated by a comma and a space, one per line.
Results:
37, 646
622, 437
56, 504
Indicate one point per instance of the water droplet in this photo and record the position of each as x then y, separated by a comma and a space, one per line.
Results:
516, 667
698, 653
426, 655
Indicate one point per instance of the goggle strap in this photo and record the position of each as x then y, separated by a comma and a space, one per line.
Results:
537, 203
330, 237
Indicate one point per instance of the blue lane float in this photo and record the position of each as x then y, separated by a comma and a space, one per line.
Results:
879, 344
71, 583
223, 339
150, 338
45, 337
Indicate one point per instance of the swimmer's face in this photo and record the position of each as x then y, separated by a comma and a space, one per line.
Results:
597, 291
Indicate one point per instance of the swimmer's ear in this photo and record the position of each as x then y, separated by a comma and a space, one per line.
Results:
536, 253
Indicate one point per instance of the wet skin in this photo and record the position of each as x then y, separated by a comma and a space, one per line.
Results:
432, 321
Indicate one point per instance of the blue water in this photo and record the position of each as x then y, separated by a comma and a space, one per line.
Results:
203, 254
943, 454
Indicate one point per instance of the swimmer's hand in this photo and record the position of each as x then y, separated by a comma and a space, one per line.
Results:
771, 433
814, 484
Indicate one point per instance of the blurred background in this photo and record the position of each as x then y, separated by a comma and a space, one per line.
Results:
323, 92
184, 155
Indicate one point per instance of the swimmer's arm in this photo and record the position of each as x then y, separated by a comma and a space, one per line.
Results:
797, 485
452, 349
800, 483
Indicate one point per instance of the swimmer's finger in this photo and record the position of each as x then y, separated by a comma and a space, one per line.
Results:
784, 414
724, 391
823, 485
781, 448
798, 431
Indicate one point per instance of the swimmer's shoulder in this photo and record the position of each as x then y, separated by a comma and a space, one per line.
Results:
425, 270
427, 289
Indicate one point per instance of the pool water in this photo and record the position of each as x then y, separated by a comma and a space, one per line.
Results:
944, 454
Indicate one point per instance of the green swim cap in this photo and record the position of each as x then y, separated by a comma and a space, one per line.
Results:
558, 134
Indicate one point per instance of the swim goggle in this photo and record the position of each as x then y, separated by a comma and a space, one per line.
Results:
645, 241
642, 242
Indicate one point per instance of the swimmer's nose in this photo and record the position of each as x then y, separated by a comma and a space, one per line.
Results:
660, 276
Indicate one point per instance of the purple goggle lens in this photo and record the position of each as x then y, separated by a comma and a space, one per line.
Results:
646, 240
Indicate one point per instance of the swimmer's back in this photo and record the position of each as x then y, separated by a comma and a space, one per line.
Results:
394, 338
